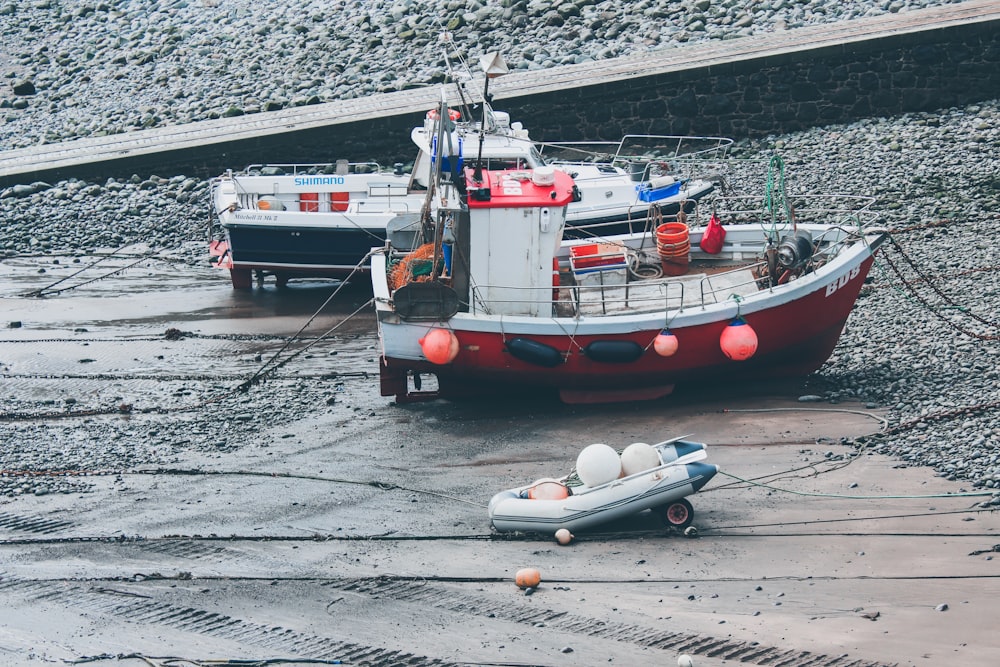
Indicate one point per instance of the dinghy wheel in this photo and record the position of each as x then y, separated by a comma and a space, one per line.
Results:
678, 514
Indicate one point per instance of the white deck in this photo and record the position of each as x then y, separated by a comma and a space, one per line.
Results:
693, 289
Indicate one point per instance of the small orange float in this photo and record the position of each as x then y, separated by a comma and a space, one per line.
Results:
527, 577
563, 536
665, 343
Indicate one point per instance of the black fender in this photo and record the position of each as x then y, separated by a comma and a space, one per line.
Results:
614, 351
534, 352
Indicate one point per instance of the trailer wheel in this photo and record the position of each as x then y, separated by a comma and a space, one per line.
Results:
678, 514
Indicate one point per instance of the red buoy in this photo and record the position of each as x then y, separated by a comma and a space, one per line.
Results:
738, 340
440, 346
665, 343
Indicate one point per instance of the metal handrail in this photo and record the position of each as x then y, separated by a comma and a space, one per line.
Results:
626, 292
305, 168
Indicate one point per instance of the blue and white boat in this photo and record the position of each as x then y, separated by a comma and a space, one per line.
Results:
297, 220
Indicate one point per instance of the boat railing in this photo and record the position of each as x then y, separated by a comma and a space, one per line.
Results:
829, 209
381, 197
644, 147
615, 292
340, 167
674, 293
641, 220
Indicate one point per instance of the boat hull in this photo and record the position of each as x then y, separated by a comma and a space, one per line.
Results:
299, 250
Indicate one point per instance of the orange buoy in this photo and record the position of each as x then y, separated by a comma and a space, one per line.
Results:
528, 577
440, 346
738, 340
665, 343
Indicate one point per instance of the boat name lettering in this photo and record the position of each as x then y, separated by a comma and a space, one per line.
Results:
844, 279
255, 217
319, 180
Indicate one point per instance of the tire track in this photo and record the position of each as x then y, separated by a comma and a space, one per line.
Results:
715, 647
140, 609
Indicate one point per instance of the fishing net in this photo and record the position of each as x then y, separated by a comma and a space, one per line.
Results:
414, 267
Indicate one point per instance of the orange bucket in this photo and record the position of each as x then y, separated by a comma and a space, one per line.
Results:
673, 242
672, 232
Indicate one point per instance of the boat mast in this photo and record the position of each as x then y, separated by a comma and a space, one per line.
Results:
457, 77
434, 185
494, 66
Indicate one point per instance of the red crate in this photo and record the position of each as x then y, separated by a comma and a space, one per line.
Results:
596, 255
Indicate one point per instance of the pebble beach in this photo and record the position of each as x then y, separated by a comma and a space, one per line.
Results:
924, 346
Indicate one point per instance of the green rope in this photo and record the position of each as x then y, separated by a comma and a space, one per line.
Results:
775, 202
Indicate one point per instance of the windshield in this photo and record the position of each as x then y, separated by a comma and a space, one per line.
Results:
536, 158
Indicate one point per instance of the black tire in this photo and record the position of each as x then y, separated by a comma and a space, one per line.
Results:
679, 514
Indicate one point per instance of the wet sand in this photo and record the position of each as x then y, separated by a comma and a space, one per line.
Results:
311, 518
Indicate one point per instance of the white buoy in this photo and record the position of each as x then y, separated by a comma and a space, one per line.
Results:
638, 457
598, 464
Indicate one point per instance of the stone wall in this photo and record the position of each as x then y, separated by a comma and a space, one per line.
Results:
920, 72
776, 94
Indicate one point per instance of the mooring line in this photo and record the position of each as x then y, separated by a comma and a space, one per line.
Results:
48, 288
264, 370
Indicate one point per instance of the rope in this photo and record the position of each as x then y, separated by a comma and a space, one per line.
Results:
264, 371
46, 290
951, 303
267, 368
775, 197
938, 416
966, 494
41, 290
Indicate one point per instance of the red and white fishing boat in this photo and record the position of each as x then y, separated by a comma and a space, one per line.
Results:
498, 300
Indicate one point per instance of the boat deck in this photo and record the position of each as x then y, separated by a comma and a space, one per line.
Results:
690, 290
693, 289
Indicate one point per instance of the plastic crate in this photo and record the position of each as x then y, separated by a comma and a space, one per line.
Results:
648, 194
594, 256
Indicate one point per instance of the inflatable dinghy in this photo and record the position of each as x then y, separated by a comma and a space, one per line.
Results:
654, 477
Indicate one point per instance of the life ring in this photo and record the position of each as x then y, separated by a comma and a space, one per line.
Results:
453, 114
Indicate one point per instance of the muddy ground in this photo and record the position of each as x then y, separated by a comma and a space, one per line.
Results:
310, 520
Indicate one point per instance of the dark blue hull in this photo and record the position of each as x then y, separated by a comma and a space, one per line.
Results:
301, 251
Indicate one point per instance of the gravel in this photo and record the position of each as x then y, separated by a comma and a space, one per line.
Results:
77, 68
925, 347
